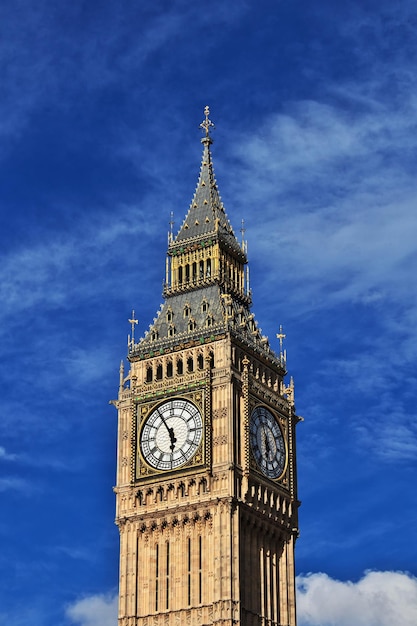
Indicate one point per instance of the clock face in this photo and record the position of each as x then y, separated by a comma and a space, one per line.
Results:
267, 442
171, 434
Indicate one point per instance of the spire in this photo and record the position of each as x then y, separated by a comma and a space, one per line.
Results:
206, 215
206, 289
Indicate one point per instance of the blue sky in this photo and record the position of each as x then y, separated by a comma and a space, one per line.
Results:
315, 148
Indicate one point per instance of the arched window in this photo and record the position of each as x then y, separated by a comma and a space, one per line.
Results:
180, 367
208, 268
200, 361
194, 272
159, 372
180, 274
187, 273
169, 369
190, 364
192, 325
149, 374
187, 310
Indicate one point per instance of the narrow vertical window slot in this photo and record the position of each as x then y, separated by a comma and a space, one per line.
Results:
200, 570
156, 576
167, 578
189, 571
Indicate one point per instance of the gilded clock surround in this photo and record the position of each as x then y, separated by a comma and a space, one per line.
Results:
198, 459
255, 464
210, 542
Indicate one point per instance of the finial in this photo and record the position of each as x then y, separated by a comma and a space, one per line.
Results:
171, 226
207, 123
121, 375
281, 337
171, 229
132, 321
243, 231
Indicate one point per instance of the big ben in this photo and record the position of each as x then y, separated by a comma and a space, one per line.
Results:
206, 494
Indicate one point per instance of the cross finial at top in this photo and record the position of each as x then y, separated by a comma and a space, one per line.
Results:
207, 123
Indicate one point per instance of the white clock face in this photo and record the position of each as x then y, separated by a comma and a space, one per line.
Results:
267, 442
171, 434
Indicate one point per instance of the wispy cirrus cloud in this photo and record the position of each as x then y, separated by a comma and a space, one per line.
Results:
7, 456
56, 55
334, 174
352, 232
393, 444
14, 483
53, 272
334, 177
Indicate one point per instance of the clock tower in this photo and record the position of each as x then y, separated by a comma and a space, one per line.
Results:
206, 495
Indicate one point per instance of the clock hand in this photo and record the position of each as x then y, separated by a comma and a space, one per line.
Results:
170, 432
172, 437
267, 448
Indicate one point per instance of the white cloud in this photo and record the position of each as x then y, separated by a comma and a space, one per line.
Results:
399, 444
12, 483
335, 180
6, 456
98, 610
55, 271
377, 599
48, 63
352, 226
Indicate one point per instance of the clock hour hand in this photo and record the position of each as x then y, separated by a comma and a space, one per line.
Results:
170, 432
267, 447
172, 437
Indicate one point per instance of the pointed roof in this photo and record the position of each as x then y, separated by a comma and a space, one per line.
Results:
206, 215
200, 311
